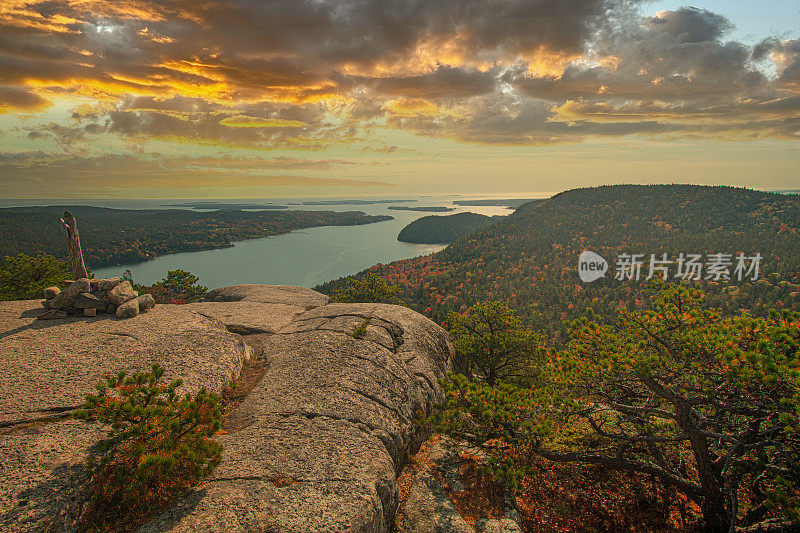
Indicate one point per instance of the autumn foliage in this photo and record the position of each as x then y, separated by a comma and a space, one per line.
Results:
705, 405
370, 288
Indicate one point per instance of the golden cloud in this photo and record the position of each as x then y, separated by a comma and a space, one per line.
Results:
244, 121
411, 107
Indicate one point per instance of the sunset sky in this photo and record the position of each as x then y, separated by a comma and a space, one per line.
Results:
259, 98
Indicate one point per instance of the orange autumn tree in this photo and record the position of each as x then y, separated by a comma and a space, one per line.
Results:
706, 405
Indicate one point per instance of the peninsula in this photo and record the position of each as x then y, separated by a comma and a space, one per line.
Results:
119, 236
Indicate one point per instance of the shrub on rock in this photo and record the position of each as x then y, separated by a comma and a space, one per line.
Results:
159, 443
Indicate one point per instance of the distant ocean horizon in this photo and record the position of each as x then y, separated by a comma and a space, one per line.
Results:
305, 257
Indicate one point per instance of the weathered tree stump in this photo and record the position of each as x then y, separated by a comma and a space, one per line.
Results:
74, 246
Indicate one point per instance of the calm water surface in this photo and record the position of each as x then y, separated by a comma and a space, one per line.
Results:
305, 257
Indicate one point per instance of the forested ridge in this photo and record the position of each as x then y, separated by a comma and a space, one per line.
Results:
437, 229
530, 258
119, 236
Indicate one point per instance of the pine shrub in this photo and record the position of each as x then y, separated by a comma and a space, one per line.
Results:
158, 445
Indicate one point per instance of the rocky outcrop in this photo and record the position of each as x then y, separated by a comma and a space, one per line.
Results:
46, 368
316, 445
327, 429
247, 317
271, 294
88, 297
440, 480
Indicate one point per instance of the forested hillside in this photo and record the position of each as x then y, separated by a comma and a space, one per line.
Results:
436, 229
530, 258
117, 236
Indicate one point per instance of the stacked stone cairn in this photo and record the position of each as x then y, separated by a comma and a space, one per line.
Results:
88, 297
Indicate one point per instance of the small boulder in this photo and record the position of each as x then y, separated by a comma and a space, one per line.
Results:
67, 297
87, 300
146, 301
52, 314
89, 312
122, 293
128, 309
108, 283
51, 292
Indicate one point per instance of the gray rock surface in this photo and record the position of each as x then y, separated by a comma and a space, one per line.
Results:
497, 525
249, 317
428, 509
43, 468
121, 293
129, 309
318, 442
51, 292
89, 301
146, 301
271, 294
327, 429
47, 366
66, 297
52, 314
108, 283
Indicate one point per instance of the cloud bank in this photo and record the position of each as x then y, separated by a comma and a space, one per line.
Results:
306, 74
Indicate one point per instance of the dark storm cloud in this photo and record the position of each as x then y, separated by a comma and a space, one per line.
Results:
21, 99
253, 44
785, 54
690, 25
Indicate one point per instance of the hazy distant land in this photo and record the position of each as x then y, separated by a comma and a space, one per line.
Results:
350, 202
425, 209
226, 206
511, 203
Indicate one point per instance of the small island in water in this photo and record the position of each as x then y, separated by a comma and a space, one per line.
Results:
438, 229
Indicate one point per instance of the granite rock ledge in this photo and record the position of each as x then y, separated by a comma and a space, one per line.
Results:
319, 440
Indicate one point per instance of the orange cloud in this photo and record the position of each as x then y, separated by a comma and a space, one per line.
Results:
411, 107
543, 62
244, 121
